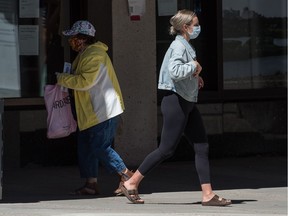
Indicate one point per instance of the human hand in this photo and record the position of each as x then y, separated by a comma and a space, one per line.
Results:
197, 70
200, 82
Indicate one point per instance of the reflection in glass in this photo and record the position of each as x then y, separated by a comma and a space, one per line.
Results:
254, 44
9, 72
54, 48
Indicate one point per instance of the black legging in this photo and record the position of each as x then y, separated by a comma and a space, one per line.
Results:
180, 117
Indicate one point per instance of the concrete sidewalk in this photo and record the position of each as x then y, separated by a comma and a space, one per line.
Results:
256, 186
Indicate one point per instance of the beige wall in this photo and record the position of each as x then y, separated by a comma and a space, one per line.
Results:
134, 58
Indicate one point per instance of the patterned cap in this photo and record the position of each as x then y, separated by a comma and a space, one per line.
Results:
81, 27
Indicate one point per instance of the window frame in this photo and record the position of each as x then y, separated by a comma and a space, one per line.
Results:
220, 94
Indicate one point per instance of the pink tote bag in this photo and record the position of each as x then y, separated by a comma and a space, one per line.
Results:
60, 121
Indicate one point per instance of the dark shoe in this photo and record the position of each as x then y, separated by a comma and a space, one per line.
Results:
217, 201
124, 177
87, 189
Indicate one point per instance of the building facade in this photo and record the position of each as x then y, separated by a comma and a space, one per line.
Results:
242, 48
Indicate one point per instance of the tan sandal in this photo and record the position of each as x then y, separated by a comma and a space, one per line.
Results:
118, 191
123, 178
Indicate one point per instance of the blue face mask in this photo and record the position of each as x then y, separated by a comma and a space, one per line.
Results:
196, 31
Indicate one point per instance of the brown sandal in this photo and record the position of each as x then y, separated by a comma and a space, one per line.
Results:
118, 191
87, 189
132, 195
217, 201
124, 177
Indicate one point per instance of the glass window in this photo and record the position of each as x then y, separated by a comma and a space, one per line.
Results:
31, 46
9, 61
254, 44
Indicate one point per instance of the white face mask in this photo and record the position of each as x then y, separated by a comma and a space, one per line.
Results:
196, 31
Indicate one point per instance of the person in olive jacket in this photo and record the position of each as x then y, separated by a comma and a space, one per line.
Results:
98, 104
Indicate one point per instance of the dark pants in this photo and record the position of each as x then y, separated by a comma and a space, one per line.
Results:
180, 117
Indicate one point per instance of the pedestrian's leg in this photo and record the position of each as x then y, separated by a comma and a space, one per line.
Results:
87, 160
104, 151
174, 120
203, 170
196, 134
88, 163
104, 136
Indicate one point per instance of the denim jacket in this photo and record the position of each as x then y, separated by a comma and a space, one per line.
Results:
177, 69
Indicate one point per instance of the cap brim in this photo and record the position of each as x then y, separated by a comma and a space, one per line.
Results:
69, 33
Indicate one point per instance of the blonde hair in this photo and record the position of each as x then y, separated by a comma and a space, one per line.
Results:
179, 19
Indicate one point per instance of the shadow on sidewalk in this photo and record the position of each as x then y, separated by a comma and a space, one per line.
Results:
28, 185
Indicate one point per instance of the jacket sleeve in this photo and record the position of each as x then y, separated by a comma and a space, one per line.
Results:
179, 66
86, 73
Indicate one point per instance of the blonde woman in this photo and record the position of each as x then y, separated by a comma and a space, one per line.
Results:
180, 82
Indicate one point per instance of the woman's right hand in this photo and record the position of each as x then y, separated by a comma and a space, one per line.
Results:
197, 70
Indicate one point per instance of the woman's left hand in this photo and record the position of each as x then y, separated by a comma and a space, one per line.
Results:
200, 82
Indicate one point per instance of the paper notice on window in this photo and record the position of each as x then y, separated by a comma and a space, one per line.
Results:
67, 67
136, 7
28, 40
167, 7
29, 8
